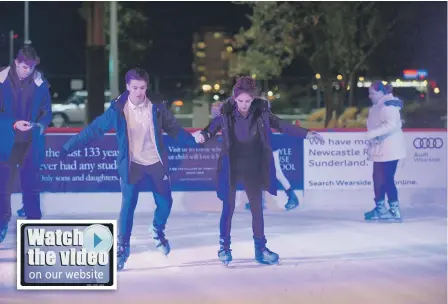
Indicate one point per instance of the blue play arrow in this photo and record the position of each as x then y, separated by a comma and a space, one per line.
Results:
96, 240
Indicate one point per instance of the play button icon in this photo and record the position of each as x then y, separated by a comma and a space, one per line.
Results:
97, 238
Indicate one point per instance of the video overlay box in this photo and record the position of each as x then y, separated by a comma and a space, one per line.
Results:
66, 254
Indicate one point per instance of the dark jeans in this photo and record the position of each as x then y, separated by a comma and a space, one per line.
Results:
384, 180
161, 187
21, 160
252, 186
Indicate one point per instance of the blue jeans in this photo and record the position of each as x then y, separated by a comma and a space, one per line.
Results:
20, 162
161, 187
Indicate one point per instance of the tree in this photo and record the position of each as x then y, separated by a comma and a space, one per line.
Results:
133, 42
133, 48
335, 37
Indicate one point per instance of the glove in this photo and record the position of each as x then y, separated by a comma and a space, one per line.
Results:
315, 136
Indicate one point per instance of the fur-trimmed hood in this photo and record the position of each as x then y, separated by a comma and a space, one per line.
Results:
227, 106
37, 76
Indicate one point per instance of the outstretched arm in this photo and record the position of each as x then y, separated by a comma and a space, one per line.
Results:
286, 127
213, 127
296, 131
172, 127
95, 130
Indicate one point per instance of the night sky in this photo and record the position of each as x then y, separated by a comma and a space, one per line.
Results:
58, 33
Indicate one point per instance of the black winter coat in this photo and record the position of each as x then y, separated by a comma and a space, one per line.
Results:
265, 121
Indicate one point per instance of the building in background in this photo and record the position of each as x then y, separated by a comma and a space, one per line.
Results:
212, 49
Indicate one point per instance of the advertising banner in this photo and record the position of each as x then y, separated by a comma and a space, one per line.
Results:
93, 168
341, 163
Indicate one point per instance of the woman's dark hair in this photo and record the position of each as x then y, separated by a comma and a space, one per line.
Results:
380, 87
246, 85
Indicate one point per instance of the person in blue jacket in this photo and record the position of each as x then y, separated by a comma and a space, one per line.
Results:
138, 119
25, 112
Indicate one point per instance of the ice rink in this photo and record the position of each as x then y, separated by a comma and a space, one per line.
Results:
328, 255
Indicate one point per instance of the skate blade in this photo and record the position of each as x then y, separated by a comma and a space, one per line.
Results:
268, 263
291, 208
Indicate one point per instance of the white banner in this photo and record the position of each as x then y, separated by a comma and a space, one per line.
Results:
341, 163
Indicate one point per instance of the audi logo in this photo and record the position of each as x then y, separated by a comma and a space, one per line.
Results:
428, 143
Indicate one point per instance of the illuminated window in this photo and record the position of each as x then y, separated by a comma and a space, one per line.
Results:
217, 35
201, 45
200, 54
229, 49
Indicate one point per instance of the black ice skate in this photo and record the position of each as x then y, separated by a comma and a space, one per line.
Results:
225, 253
160, 241
263, 255
293, 200
123, 252
21, 212
3, 232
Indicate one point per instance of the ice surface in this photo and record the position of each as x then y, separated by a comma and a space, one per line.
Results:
328, 253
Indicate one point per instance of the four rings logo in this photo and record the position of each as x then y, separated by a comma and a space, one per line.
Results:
428, 143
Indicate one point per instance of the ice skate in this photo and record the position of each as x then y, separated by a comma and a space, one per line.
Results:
21, 212
160, 241
123, 252
3, 232
293, 200
263, 255
378, 213
225, 253
394, 213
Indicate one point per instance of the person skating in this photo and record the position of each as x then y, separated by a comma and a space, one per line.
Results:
138, 119
25, 112
246, 156
386, 147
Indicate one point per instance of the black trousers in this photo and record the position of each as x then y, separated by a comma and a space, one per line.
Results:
161, 187
20, 162
384, 181
252, 185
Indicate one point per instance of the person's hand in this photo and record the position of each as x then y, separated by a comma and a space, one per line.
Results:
316, 137
22, 125
198, 137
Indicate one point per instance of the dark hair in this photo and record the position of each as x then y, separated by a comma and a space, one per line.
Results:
246, 85
137, 74
28, 55
380, 87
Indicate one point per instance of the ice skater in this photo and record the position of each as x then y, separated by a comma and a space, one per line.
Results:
25, 112
386, 147
138, 119
246, 157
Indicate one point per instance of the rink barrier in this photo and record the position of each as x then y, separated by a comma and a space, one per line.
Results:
339, 177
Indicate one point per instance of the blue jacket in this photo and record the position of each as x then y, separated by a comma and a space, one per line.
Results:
40, 113
114, 118
265, 120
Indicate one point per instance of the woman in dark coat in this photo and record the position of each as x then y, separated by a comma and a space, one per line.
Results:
246, 156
